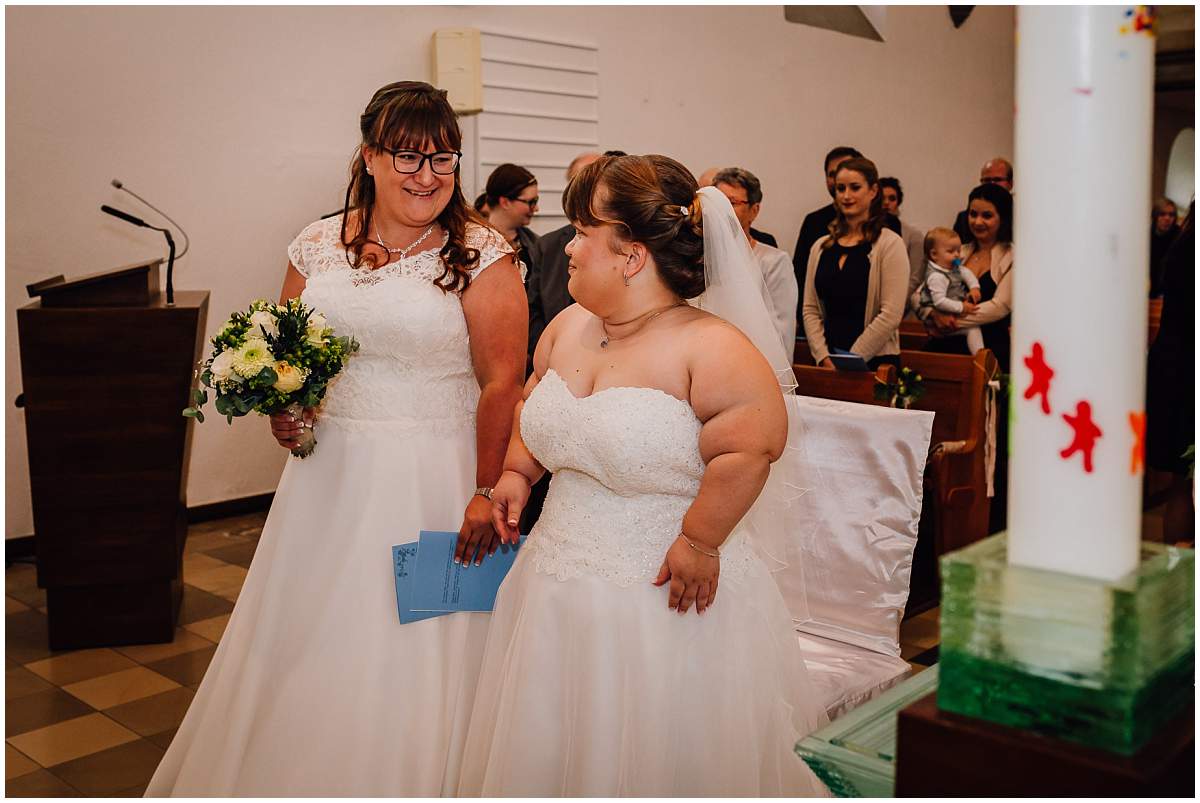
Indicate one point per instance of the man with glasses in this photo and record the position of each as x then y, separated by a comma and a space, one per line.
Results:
994, 171
706, 180
744, 192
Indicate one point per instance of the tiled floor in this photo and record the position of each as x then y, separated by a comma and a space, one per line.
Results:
96, 722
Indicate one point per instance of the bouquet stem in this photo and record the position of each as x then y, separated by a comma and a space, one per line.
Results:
307, 439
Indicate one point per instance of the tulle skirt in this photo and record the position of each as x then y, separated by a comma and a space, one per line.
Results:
316, 688
589, 688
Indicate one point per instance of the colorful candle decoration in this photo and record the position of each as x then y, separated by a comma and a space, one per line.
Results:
1085, 79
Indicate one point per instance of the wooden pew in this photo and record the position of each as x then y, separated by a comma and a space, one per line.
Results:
913, 335
848, 386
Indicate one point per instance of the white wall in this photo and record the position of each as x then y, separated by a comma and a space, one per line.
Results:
241, 121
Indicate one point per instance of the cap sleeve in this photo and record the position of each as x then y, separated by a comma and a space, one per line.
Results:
296, 254
491, 246
318, 247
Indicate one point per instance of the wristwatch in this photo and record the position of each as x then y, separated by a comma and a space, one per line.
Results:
484, 492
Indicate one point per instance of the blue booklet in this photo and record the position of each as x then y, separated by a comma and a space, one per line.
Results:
440, 584
847, 361
404, 561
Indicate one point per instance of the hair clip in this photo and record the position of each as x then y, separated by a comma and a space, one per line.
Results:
685, 210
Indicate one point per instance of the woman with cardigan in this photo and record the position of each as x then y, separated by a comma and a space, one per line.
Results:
857, 279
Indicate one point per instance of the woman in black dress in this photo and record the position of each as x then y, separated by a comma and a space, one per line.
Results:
857, 278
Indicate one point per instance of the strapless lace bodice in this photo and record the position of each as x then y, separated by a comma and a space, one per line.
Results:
626, 464
413, 367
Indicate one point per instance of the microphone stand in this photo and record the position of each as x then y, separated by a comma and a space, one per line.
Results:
137, 221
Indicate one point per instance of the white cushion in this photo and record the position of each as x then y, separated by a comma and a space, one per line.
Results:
855, 521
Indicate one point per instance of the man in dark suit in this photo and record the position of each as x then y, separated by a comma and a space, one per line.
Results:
994, 171
816, 223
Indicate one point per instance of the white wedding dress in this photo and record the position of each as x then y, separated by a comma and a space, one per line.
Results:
591, 686
316, 688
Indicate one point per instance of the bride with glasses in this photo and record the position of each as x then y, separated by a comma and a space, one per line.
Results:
639, 646
316, 689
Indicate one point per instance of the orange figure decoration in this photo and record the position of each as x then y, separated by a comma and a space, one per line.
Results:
1042, 374
1137, 422
1086, 434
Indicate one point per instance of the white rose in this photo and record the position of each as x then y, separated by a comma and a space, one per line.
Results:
316, 329
252, 357
264, 321
290, 377
317, 321
222, 366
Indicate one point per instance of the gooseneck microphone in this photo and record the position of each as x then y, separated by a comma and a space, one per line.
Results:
137, 221
116, 182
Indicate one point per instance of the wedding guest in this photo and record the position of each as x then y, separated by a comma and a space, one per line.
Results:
1163, 231
316, 689
481, 205
744, 192
857, 276
512, 198
998, 171
706, 180
914, 240
1171, 385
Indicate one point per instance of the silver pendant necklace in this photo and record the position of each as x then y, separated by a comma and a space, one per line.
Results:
403, 252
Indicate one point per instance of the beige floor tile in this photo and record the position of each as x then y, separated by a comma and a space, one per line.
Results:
20, 575
20, 682
14, 605
211, 629
25, 637
226, 579
120, 687
163, 739
185, 641
39, 784
17, 763
199, 604
73, 667
72, 739
105, 773
198, 562
205, 541
153, 715
32, 597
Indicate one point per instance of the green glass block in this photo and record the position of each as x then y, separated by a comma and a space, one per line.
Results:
855, 755
1101, 663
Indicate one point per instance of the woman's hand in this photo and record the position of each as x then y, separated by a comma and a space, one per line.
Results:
476, 538
827, 363
942, 323
693, 577
287, 428
969, 307
508, 501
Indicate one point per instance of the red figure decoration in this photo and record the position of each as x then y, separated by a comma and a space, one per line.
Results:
1042, 374
1086, 433
1137, 421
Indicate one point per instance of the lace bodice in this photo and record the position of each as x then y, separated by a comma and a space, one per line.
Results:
626, 464
413, 367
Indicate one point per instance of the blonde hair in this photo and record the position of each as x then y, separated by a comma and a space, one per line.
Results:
934, 234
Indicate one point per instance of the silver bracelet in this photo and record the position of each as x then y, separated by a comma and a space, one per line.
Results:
716, 553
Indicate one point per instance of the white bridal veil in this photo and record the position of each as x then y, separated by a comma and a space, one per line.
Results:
735, 290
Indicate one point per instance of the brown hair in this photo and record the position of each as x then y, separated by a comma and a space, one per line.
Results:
404, 115
507, 181
935, 234
649, 200
840, 227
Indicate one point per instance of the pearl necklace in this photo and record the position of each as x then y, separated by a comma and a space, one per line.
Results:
604, 341
403, 252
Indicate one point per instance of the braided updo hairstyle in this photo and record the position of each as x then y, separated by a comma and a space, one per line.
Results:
649, 200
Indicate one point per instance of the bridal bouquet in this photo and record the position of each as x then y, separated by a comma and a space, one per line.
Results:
269, 359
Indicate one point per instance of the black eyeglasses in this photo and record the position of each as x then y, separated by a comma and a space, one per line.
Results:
531, 202
441, 162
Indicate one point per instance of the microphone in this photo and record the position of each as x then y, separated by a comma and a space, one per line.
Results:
137, 221
128, 218
116, 182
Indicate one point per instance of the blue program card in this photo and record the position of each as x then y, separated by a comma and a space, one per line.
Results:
440, 584
404, 561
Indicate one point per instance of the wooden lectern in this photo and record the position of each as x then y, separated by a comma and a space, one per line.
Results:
107, 367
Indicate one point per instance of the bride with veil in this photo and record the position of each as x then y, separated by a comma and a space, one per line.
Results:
640, 646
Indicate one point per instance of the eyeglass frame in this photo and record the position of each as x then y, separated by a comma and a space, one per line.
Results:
424, 157
530, 202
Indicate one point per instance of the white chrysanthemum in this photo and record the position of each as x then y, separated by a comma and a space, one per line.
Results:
290, 379
222, 366
263, 321
252, 357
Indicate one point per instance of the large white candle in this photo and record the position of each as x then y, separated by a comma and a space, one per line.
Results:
1083, 125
